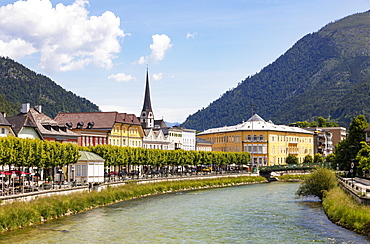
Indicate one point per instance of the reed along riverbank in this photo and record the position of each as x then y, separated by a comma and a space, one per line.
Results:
20, 214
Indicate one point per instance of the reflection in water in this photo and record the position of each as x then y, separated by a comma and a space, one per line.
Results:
263, 213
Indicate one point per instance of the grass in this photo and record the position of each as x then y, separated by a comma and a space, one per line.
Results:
343, 210
19, 214
288, 177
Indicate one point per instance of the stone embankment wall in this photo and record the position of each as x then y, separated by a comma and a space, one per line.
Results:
360, 193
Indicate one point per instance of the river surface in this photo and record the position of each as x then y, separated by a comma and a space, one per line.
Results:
262, 213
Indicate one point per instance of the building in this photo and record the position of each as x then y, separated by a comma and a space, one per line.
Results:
49, 129
5, 127
268, 144
338, 134
203, 145
155, 131
157, 134
96, 128
24, 126
323, 143
188, 139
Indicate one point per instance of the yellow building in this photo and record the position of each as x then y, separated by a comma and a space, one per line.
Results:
268, 144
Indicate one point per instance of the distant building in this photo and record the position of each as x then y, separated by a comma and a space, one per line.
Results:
96, 128
268, 144
157, 134
326, 138
203, 145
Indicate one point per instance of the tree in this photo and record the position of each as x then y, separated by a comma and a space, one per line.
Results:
363, 156
291, 159
317, 183
317, 159
346, 151
308, 159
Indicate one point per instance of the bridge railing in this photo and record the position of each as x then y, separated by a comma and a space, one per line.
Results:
285, 167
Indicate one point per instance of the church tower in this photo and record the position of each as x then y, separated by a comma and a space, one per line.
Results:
147, 116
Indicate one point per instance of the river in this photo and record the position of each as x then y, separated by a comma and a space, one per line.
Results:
262, 213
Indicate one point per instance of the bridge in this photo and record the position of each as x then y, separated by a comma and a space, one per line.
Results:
266, 171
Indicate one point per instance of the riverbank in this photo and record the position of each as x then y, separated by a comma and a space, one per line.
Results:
344, 211
20, 214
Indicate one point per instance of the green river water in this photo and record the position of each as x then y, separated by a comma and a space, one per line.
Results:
262, 213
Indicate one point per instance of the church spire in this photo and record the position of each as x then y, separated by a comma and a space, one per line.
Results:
147, 116
147, 103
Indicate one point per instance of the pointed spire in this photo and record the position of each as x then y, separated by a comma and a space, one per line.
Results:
147, 103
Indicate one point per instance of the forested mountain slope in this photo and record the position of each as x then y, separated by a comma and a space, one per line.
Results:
326, 73
19, 84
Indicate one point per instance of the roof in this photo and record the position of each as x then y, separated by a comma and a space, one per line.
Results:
256, 123
147, 106
202, 141
22, 120
90, 156
48, 126
100, 120
4, 121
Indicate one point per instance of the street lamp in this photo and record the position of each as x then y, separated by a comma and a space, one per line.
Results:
60, 170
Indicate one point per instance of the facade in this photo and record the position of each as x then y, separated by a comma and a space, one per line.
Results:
338, 134
268, 144
323, 143
155, 139
88, 169
175, 138
113, 128
188, 139
203, 145
5, 127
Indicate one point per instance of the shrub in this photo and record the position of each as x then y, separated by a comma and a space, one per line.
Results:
317, 183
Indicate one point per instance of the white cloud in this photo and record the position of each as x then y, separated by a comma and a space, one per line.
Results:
122, 77
161, 43
66, 37
158, 76
191, 35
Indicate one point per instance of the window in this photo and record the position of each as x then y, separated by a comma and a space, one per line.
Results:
249, 138
261, 138
2, 130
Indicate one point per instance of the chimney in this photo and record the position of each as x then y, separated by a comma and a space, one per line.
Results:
4, 114
25, 108
38, 108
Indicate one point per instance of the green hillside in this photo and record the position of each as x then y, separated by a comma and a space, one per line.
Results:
325, 74
19, 84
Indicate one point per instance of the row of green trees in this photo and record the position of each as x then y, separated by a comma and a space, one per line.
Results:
36, 153
46, 154
120, 156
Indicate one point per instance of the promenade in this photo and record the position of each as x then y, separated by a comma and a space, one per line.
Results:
115, 180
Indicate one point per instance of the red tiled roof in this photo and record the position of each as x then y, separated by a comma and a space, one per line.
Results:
101, 120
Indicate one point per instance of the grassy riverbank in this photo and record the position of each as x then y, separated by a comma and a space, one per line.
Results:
19, 214
296, 177
343, 210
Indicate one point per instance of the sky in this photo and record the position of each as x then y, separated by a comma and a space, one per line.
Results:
195, 50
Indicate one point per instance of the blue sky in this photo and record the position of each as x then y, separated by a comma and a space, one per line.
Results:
195, 49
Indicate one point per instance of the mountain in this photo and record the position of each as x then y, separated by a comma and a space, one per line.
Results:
19, 84
325, 74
